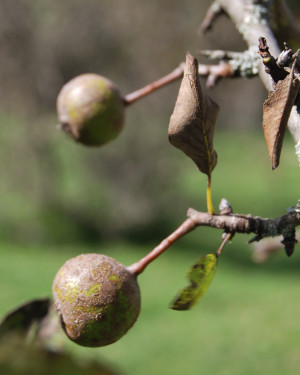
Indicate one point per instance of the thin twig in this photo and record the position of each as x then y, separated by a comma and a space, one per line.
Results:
186, 227
161, 82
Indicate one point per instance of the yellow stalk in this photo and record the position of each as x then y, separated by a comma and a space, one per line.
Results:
210, 207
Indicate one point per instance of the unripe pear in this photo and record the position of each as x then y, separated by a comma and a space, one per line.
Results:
97, 299
90, 109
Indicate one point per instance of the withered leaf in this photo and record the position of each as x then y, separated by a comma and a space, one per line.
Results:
21, 319
20, 356
276, 112
200, 276
192, 123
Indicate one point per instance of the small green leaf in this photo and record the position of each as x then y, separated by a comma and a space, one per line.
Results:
200, 276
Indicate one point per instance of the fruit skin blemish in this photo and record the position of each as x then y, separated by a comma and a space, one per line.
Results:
97, 299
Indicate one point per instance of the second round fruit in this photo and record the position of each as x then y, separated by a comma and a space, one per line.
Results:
90, 109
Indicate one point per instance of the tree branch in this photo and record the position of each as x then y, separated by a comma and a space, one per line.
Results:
252, 20
245, 223
231, 223
242, 64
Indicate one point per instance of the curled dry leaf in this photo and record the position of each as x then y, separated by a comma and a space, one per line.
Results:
23, 317
23, 353
276, 112
192, 123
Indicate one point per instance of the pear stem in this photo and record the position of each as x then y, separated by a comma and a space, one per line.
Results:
161, 82
187, 226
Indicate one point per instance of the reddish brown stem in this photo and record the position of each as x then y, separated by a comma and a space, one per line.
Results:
186, 227
138, 94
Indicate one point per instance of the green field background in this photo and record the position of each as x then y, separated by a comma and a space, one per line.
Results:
247, 323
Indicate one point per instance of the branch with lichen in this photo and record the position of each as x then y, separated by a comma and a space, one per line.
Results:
241, 64
252, 19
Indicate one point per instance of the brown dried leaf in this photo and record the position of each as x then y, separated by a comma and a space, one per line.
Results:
192, 123
276, 112
22, 318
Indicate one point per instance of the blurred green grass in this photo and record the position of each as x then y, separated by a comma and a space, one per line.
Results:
247, 321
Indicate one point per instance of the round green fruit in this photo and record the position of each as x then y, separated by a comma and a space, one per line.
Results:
97, 299
90, 109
